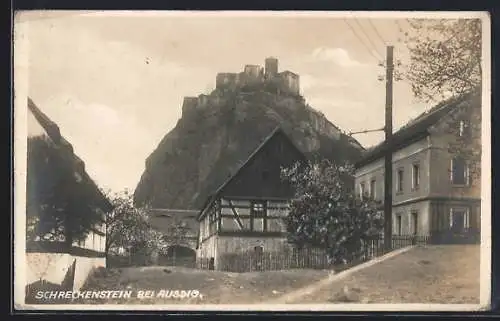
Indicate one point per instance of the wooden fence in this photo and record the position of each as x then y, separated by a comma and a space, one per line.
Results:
304, 258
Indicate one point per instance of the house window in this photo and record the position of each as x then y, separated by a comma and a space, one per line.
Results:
361, 190
258, 209
415, 176
459, 171
398, 224
459, 218
372, 189
399, 182
414, 223
463, 128
258, 213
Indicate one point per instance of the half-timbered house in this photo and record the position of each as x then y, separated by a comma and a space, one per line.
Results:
246, 213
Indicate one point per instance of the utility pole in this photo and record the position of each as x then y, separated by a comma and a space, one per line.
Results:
389, 71
388, 153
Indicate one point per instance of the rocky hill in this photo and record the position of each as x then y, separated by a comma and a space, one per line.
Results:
218, 132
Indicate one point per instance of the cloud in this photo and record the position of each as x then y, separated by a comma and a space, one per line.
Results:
337, 55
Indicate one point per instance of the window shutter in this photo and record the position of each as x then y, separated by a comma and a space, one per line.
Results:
467, 174
451, 170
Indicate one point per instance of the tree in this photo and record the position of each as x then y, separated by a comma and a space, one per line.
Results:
176, 235
128, 227
61, 204
445, 57
326, 213
446, 61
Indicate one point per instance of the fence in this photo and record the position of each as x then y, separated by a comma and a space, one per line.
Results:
312, 258
304, 258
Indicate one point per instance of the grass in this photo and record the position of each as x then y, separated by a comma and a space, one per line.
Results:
447, 274
216, 287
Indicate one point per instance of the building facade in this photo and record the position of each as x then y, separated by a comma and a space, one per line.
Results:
436, 187
247, 212
180, 230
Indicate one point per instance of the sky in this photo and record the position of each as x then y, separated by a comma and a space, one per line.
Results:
114, 83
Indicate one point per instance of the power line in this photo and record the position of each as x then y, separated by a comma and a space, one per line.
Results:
409, 22
377, 33
367, 37
401, 29
362, 42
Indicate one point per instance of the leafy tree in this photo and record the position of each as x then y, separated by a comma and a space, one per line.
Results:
176, 235
128, 227
445, 57
326, 213
61, 204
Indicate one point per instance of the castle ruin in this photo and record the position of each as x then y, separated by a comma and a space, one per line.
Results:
252, 77
285, 82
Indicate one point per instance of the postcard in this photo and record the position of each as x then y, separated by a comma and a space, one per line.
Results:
252, 161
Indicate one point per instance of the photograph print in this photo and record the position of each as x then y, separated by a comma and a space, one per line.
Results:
252, 160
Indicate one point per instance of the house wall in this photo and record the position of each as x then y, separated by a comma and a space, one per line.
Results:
442, 135
418, 152
208, 248
233, 211
231, 244
436, 194
439, 213
54, 267
405, 211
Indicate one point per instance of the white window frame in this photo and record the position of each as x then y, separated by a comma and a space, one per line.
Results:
373, 189
399, 223
466, 211
466, 173
462, 126
414, 224
413, 185
361, 190
400, 184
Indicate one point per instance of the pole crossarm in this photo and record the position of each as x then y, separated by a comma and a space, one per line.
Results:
366, 131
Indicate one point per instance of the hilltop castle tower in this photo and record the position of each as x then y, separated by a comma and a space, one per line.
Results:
286, 82
271, 66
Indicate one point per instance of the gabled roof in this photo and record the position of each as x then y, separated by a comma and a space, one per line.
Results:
275, 132
66, 151
415, 130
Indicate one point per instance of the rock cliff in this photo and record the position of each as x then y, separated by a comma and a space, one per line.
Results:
218, 132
